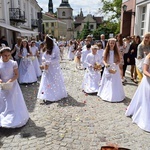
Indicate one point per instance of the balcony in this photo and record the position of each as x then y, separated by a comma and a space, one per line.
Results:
16, 15
34, 23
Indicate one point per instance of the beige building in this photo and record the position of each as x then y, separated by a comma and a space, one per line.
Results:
81, 21
64, 12
54, 26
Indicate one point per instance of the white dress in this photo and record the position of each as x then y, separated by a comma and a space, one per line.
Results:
71, 52
17, 52
100, 53
26, 69
91, 78
52, 86
35, 61
84, 53
40, 56
13, 110
139, 107
111, 88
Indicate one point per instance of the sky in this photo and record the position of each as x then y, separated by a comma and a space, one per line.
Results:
88, 6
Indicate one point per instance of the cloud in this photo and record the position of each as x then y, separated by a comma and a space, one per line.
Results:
87, 6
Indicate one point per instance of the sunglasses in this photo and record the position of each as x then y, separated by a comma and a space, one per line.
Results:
113, 148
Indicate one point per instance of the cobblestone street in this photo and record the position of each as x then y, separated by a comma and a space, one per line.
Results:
78, 122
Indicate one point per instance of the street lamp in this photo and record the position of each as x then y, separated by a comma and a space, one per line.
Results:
125, 10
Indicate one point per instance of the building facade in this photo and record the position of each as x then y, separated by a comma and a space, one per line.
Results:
65, 13
135, 18
128, 17
54, 26
81, 20
142, 20
18, 18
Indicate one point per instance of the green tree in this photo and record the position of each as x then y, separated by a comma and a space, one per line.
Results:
86, 31
112, 7
106, 28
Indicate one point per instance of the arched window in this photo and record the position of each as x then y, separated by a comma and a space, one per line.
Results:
63, 13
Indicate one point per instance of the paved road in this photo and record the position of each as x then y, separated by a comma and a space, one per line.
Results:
79, 122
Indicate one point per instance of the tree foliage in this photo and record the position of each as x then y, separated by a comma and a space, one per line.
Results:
112, 7
106, 28
86, 31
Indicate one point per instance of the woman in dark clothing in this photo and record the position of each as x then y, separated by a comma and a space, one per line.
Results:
132, 54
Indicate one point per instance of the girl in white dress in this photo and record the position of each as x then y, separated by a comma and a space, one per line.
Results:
13, 110
34, 51
92, 76
41, 51
16, 50
100, 52
26, 69
84, 53
111, 88
78, 57
121, 49
139, 107
52, 86
71, 51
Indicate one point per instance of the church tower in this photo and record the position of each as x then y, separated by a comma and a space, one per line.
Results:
50, 6
64, 12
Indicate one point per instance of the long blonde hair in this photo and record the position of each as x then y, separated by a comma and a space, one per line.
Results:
143, 41
19, 41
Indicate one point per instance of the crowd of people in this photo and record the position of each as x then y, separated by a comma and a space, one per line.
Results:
104, 61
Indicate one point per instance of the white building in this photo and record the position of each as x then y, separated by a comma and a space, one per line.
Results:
18, 18
142, 20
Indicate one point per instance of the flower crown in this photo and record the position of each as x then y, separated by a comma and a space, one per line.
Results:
5, 48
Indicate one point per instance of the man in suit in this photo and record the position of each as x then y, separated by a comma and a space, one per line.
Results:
104, 42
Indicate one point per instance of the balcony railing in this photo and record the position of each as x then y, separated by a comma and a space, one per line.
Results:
34, 23
16, 15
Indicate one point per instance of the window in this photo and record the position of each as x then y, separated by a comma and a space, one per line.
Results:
91, 26
143, 20
47, 31
52, 24
52, 32
19, 3
46, 24
32, 17
63, 13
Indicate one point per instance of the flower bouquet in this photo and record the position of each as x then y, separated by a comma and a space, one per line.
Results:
45, 65
6, 86
112, 69
31, 57
97, 66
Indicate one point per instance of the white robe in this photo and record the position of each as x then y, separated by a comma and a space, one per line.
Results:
71, 52
26, 69
139, 107
52, 87
13, 110
91, 78
35, 61
84, 53
111, 88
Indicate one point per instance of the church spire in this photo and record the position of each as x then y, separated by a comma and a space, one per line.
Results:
64, 1
50, 6
81, 13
